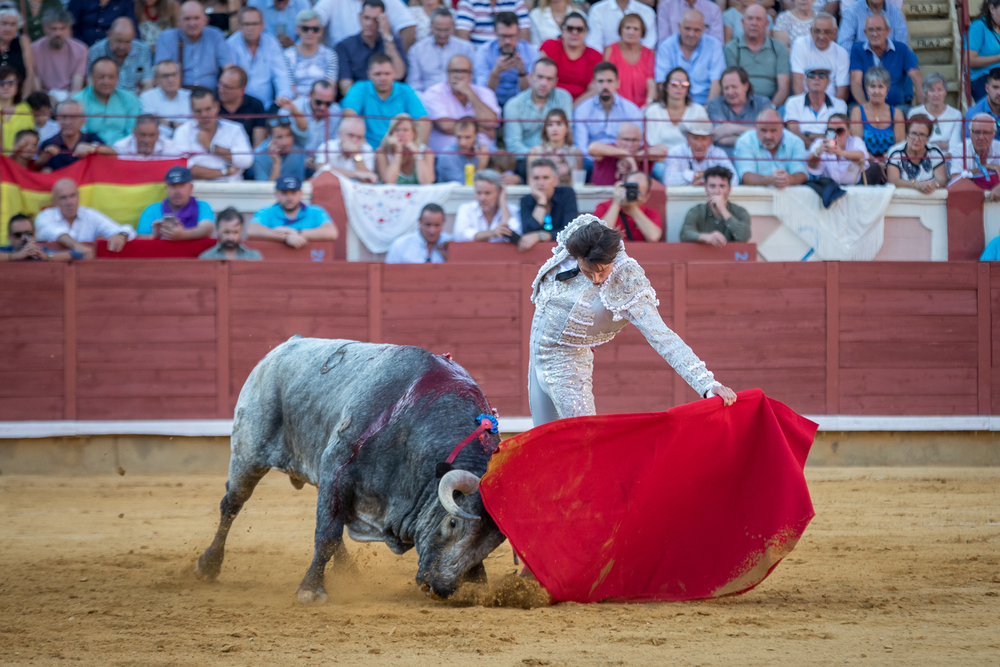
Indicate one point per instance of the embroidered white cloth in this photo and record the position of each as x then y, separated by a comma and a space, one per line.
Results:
853, 228
380, 214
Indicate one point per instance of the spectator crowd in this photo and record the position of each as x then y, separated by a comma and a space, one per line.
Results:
488, 93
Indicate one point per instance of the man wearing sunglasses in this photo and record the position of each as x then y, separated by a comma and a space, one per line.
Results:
806, 115
315, 118
21, 234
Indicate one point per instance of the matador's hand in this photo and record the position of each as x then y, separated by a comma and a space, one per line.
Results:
728, 395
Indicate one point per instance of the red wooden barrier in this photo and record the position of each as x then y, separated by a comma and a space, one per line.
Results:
176, 339
659, 253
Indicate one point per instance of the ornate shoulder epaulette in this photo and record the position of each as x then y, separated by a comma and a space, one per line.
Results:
626, 287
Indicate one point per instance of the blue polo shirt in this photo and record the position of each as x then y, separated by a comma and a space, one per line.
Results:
898, 59
364, 101
983, 41
707, 63
992, 251
309, 217
154, 212
752, 157
353, 55
982, 106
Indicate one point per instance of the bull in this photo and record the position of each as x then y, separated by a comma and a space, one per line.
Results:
367, 425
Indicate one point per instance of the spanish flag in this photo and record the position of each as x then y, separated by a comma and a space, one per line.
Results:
120, 189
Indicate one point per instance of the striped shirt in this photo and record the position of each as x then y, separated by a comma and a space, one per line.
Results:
476, 16
137, 67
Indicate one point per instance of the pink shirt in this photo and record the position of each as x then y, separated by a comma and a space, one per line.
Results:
440, 102
55, 69
633, 78
669, 13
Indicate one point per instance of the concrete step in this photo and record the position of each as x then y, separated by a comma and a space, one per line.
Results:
936, 57
930, 28
921, 10
949, 72
919, 44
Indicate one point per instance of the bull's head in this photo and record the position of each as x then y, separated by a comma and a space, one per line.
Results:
459, 539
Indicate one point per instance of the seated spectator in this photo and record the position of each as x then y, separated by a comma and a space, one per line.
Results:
315, 117
133, 57
806, 115
427, 60
167, 101
732, 19
219, 149
842, 158
503, 63
41, 110
280, 18
983, 46
155, 16
989, 104
981, 161
60, 61
895, 57
504, 164
427, 244
606, 17
237, 106
229, 231
277, 156
380, 98
765, 60
770, 155
70, 144
423, 14
110, 110
456, 98
736, 110
310, 60
376, 36
465, 150
71, 225
575, 61
665, 116
700, 55
631, 215
614, 161
687, 163
915, 164
93, 18
794, 22
32, 27
853, 20
179, 217
636, 63
16, 115
25, 148
145, 142
718, 221
21, 236
400, 159
204, 51
475, 20
548, 208
261, 58
491, 217
598, 116
349, 154
16, 48
879, 124
529, 110
821, 48
341, 19
547, 17
947, 119
557, 147
288, 220
670, 13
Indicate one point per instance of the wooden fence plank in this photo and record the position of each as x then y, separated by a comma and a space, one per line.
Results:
25, 384
148, 407
292, 275
833, 309
279, 329
909, 405
374, 303
17, 330
471, 304
929, 329
110, 329
450, 277
146, 301
679, 326
34, 408
223, 308
70, 338
908, 381
985, 342
146, 383
146, 356
30, 301
139, 273
304, 300
790, 302
738, 276
909, 275
909, 354
863, 302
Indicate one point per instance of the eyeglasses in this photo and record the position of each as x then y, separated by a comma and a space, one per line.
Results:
280, 122
818, 75
248, 24
681, 84
840, 131
310, 28
917, 135
831, 33
7, 83
322, 103
459, 71
22, 235
575, 28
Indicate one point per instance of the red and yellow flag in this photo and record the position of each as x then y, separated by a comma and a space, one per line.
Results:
120, 189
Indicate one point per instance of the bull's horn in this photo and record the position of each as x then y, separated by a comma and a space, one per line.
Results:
457, 480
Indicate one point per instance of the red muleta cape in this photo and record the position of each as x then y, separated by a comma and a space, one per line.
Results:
697, 502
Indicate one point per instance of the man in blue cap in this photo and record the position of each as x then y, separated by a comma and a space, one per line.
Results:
180, 216
289, 221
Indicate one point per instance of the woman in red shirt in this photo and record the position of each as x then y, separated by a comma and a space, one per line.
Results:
574, 59
636, 64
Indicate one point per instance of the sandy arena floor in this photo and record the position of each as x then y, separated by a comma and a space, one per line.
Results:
899, 567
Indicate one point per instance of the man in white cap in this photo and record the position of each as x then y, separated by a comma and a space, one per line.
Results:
686, 163
806, 115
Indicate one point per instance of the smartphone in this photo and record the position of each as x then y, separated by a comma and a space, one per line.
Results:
514, 238
170, 220
280, 29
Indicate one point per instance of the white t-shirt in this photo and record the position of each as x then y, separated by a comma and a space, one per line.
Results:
89, 225
835, 57
469, 221
177, 110
661, 131
797, 108
228, 135
127, 149
412, 249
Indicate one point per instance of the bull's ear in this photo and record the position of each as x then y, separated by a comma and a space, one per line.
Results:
443, 468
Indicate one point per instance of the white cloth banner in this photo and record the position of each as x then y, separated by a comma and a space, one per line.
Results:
380, 214
853, 228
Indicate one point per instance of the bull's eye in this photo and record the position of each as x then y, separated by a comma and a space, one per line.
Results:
452, 523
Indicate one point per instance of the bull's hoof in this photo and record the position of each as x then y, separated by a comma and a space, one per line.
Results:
208, 567
307, 596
